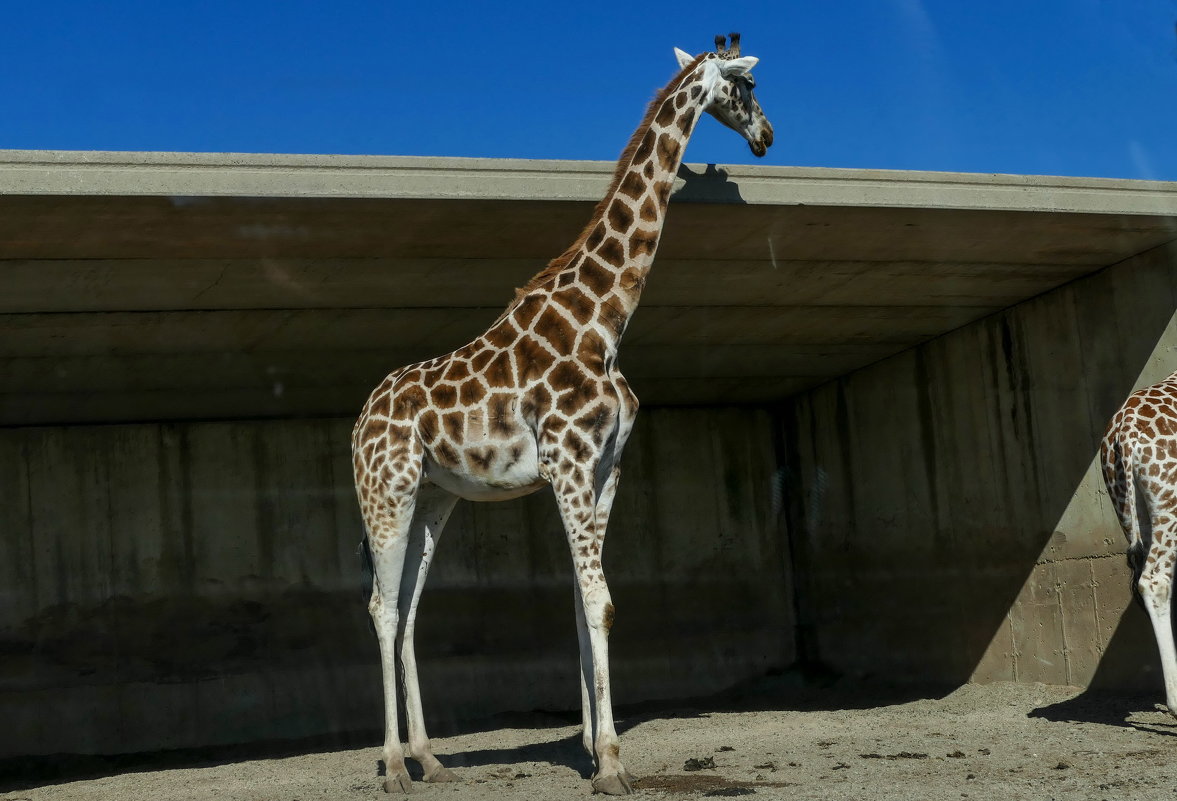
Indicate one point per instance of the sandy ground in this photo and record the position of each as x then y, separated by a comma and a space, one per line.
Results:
994, 741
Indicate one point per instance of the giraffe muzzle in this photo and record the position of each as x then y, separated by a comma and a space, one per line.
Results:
761, 144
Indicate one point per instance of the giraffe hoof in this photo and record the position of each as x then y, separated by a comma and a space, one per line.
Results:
442, 774
614, 784
398, 783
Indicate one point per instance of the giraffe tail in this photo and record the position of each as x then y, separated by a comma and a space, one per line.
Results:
367, 573
1119, 474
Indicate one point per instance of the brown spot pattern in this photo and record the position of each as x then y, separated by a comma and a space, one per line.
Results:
443, 396
620, 217
533, 359
632, 186
668, 149
646, 147
643, 243
427, 425
527, 310
500, 372
552, 326
445, 455
481, 457
457, 370
665, 115
454, 424
472, 391
595, 237
598, 279
499, 415
612, 252
577, 304
481, 359
408, 401
501, 336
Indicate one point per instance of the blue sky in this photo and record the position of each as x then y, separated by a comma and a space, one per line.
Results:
1082, 87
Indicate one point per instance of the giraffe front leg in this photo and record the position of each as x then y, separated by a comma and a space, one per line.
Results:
578, 511
586, 671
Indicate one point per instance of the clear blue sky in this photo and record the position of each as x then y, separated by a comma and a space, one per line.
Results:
1065, 87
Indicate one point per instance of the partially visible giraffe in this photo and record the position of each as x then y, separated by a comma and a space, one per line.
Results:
1139, 460
537, 399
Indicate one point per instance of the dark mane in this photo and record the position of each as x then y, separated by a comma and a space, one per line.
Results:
546, 275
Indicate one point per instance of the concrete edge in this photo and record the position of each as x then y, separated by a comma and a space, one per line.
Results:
108, 173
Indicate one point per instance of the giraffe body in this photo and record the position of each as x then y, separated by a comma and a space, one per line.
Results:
1138, 457
536, 400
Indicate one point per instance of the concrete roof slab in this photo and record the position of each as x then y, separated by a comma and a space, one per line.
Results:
126, 275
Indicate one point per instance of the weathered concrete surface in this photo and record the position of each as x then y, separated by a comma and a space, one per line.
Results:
946, 504
180, 286
170, 585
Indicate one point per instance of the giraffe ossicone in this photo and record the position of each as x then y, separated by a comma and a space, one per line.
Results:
538, 399
1138, 459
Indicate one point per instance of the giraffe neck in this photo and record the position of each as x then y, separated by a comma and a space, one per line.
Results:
614, 259
601, 276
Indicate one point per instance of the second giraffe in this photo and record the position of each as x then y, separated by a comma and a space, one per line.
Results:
536, 400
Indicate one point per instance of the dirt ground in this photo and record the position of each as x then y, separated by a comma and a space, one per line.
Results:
1002, 741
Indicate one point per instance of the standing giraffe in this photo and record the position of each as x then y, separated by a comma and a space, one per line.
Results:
1139, 458
537, 399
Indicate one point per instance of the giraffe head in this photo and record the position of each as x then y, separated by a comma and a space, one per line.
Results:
727, 78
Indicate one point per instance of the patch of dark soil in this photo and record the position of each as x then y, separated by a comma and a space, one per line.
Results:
900, 755
705, 784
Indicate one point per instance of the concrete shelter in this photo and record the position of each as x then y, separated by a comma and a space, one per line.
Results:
871, 403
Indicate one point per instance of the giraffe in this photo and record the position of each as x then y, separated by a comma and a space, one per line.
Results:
1138, 457
536, 400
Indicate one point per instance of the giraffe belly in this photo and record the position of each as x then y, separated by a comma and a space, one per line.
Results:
512, 472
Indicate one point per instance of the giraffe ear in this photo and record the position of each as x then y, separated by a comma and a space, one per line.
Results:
738, 66
683, 58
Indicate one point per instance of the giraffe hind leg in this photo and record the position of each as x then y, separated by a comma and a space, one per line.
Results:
1155, 586
433, 510
388, 528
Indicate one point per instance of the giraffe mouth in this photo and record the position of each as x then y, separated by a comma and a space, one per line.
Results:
761, 144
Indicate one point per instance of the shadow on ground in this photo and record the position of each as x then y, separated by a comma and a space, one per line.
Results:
1127, 682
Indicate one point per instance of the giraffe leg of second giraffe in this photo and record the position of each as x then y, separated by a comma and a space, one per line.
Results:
1157, 602
1161, 619
1154, 582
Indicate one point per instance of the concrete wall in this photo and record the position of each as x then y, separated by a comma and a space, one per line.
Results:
945, 503
171, 585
